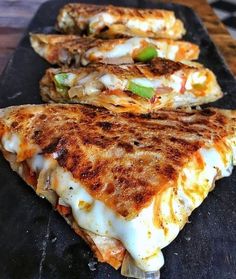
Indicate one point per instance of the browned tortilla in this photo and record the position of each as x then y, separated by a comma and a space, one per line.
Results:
123, 160
157, 67
73, 18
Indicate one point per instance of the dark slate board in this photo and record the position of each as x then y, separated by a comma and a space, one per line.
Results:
35, 242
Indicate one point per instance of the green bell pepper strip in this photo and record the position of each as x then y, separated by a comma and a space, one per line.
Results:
61, 82
143, 91
146, 54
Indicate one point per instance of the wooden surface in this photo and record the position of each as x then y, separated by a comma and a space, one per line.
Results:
15, 16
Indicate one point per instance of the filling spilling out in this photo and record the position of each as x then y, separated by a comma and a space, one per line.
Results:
139, 49
124, 51
101, 22
78, 85
133, 50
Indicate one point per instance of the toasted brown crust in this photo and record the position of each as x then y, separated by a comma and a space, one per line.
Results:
89, 10
123, 160
62, 50
72, 42
73, 19
157, 67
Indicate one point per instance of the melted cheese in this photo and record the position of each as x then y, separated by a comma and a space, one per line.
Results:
172, 52
142, 236
164, 50
112, 82
100, 20
195, 78
122, 49
150, 24
175, 81
11, 143
181, 100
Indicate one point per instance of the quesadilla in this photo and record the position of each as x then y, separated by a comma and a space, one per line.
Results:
138, 88
125, 183
73, 50
111, 21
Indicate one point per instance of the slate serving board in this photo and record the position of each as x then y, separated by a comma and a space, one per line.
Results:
35, 241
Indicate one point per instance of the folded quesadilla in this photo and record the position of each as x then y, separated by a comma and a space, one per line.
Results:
125, 183
111, 21
138, 88
73, 50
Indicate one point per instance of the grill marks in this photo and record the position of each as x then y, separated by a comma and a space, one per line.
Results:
51, 147
89, 10
70, 42
126, 146
157, 67
123, 160
85, 10
105, 125
76, 18
160, 66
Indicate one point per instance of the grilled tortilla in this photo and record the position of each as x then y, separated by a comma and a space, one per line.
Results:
73, 50
125, 183
111, 21
138, 88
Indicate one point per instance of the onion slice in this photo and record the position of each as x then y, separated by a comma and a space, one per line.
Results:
129, 269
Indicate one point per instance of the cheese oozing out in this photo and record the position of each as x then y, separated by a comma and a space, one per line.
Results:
150, 24
141, 236
175, 82
128, 47
100, 20
119, 50
193, 82
153, 24
113, 82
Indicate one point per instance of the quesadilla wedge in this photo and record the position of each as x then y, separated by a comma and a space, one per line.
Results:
73, 50
138, 88
125, 183
111, 21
